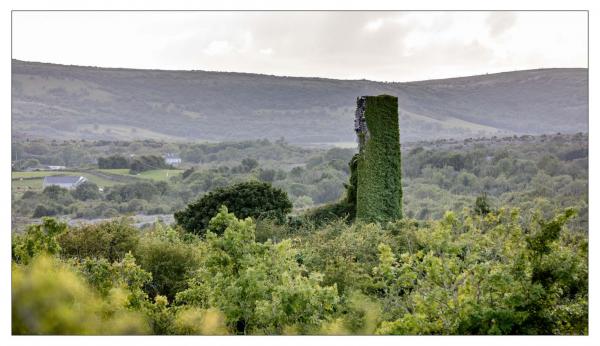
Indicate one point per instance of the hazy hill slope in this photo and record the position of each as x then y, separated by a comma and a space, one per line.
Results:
57, 101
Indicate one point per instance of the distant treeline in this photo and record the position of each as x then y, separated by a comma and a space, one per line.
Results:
135, 165
546, 172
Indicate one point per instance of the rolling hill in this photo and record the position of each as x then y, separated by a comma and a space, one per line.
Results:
75, 102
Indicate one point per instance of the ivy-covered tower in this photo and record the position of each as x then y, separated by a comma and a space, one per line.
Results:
377, 166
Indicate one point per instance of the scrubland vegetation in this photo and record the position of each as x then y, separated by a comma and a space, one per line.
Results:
545, 172
493, 241
467, 273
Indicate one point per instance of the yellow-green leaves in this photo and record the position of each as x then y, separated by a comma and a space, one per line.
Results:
50, 298
260, 287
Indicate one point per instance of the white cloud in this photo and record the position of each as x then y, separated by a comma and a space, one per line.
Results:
391, 46
500, 22
374, 25
218, 48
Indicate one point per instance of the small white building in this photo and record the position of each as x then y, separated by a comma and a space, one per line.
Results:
66, 182
172, 159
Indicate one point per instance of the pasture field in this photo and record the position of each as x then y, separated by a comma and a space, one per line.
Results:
32, 181
157, 174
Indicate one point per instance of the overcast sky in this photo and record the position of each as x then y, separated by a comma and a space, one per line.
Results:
383, 46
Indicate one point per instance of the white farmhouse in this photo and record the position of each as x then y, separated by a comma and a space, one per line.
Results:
172, 159
66, 182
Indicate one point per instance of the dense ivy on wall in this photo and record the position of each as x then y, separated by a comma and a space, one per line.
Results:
379, 186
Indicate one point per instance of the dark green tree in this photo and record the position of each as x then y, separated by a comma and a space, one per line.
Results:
482, 206
249, 199
249, 164
86, 191
113, 162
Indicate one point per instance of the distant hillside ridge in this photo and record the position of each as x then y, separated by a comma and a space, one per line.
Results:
73, 102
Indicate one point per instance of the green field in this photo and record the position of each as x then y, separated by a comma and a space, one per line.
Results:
32, 181
157, 174
120, 171
42, 174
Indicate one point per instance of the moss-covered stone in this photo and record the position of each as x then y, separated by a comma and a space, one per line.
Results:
378, 164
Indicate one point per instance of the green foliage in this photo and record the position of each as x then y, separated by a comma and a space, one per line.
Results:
499, 273
109, 239
169, 259
132, 276
267, 175
344, 254
196, 321
260, 287
125, 276
146, 163
378, 170
482, 206
48, 297
547, 172
482, 276
249, 164
469, 271
249, 199
352, 185
86, 191
113, 162
99, 273
42, 210
345, 208
37, 239
140, 190
161, 316
330, 212
55, 192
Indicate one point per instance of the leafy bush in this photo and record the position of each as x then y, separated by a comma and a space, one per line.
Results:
147, 163
169, 259
86, 191
43, 210
249, 199
259, 287
139, 190
482, 206
37, 239
486, 275
48, 297
267, 175
113, 162
110, 240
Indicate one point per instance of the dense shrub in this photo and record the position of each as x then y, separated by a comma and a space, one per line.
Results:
86, 191
140, 190
260, 287
36, 240
147, 163
249, 199
113, 162
486, 275
110, 240
48, 297
169, 259
46, 210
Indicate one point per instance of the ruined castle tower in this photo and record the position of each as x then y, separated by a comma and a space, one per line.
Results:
378, 163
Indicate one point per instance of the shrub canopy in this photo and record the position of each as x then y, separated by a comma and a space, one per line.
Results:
249, 199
